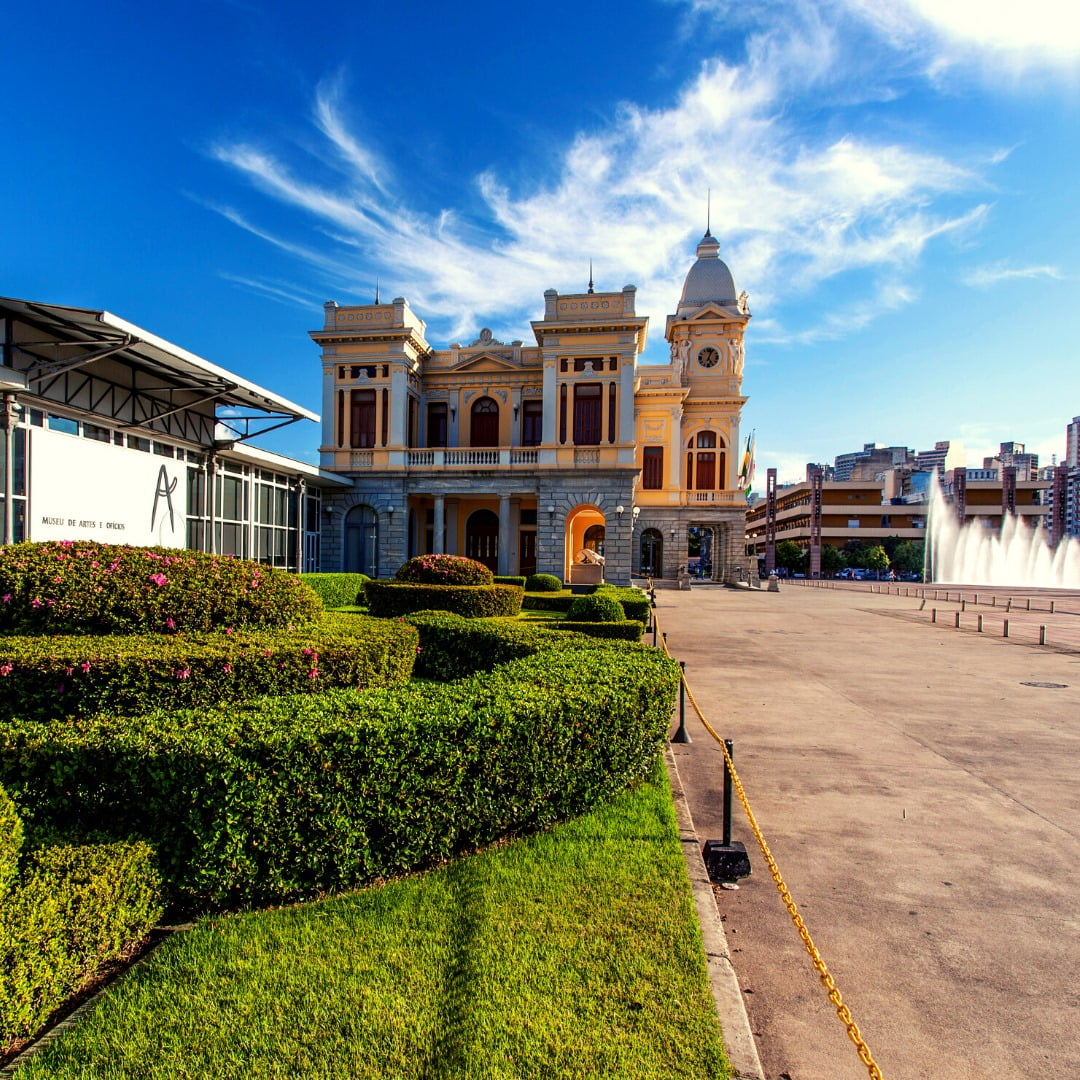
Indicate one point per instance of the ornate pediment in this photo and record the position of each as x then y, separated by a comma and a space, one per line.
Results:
486, 361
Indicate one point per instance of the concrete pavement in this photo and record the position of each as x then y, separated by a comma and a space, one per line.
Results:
923, 804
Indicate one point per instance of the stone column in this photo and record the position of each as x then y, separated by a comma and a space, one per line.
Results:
503, 562
439, 526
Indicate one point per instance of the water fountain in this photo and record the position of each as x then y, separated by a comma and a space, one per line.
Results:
1015, 554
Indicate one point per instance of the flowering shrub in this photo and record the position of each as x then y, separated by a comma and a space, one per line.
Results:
45, 678
444, 570
83, 587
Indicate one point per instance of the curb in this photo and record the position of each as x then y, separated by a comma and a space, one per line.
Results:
730, 1005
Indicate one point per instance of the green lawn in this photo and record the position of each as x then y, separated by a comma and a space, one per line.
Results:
574, 954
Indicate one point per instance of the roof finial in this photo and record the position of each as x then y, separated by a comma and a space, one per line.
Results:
590, 276
376, 290
708, 213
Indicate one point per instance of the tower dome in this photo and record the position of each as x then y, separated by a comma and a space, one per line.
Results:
709, 279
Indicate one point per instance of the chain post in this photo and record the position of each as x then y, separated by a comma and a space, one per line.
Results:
682, 735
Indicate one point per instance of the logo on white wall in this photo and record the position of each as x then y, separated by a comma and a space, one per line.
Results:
165, 489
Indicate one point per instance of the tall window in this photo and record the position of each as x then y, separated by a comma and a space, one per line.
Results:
532, 422
705, 467
485, 423
652, 470
587, 414
362, 418
436, 424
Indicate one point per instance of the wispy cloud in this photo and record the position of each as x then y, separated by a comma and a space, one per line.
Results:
792, 211
984, 277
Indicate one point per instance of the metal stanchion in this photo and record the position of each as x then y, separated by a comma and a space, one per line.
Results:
682, 735
726, 861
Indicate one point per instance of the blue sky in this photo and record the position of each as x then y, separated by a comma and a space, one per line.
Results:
898, 192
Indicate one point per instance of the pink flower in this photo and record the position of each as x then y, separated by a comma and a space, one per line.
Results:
229, 630
306, 652
158, 579
66, 543
67, 671
35, 602
7, 598
5, 669
313, 673
57, 580
268, 652
84, 667
183, 673
228, 669
170, 624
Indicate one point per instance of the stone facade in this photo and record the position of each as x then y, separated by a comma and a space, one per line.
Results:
538, 458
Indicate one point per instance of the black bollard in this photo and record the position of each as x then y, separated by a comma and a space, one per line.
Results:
682, 735
726, 862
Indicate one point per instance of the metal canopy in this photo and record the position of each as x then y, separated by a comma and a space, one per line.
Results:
165, 378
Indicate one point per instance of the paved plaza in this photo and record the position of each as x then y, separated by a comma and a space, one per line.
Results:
918, 786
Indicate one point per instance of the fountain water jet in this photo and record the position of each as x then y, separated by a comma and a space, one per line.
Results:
972, 554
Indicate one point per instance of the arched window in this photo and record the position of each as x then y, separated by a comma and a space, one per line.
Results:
362, 541
484, 429
706, 462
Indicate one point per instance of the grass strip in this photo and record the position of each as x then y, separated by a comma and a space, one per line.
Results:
574, 954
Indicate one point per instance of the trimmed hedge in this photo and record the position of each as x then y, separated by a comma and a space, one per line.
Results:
11, 837
594, 609
543, 583
292, 796
391, 599
511, 579
49, 678
624, 630
635, 603
82, 587
548, 601
79, 908
444, 570
337, 590
453, 647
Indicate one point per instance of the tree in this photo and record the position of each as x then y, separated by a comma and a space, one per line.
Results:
790, 557
832, 560
890, 544
856, 552
876, 559
908, 557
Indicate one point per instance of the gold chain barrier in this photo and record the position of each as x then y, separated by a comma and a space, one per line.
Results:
842, 1011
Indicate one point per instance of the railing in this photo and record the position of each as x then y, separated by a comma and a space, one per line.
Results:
361, 459
470, 458
728, 498
586, 456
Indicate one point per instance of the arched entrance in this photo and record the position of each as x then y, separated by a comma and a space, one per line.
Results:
362, 541
586, 533
482, 538
652, 553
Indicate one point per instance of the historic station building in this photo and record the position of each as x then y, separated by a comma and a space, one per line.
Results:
565, 456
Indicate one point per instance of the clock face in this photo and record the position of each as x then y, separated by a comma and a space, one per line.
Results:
708, 358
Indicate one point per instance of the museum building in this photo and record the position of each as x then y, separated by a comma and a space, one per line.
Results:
112, 434
564, 456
